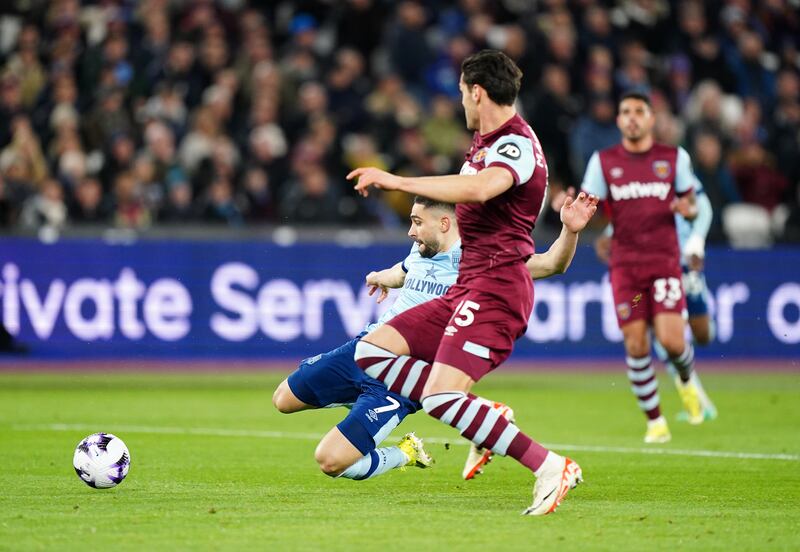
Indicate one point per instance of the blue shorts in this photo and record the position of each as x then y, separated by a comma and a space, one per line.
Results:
694, 285
334, 379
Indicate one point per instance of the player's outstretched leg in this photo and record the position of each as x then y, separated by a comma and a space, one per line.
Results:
709, 409
402, 374
487, 428
687, 387
645, 387
478, 457
409, 451
337, 457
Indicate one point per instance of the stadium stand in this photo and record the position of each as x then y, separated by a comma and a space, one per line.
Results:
236, 113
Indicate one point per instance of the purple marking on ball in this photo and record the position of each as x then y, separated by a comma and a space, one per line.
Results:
103, 439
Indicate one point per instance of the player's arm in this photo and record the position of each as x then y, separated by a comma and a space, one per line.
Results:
685, 205
594, 182
455, 188
694, 250
575, 214
390, 278
509, 161
602, 244
685, 184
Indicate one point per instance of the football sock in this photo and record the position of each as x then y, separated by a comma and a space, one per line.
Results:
375, 463
684, 363
403, 374
644, 385
485, 426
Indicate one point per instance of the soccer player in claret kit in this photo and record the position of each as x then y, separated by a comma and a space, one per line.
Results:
351, 449
436, 351
643, 185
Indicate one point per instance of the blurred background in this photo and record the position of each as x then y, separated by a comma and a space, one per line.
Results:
172, 172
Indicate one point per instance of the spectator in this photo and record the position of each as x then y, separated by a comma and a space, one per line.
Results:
88, 206
258, 198
129, 208
756, 177
555, 110
46, 209
220, 206
178, 207
311, 199
593, 131
718, 183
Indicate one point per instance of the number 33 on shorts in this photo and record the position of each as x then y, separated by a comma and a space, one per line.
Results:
464, 315
667, 291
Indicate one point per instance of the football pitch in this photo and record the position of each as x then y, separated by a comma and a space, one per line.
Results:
214, 467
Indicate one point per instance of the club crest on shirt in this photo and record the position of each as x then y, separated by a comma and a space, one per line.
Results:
479, 156
662, 169
623, 311
616, 172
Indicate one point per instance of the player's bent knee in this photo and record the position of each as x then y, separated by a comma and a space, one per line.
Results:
674, 347
329, 463
284, 400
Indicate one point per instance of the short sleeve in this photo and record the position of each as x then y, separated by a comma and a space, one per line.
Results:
593, 180
515, 153
685, 179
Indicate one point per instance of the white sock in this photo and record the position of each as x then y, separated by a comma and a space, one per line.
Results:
551, 462
375, 463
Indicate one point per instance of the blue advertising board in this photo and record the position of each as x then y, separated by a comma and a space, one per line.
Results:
191, 299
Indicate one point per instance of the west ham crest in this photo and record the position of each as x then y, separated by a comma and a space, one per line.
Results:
662, 169
479, 156
624, 311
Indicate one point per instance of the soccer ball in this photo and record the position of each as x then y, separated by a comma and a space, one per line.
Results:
101, 460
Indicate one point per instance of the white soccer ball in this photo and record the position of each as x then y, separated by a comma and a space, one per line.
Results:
101, 460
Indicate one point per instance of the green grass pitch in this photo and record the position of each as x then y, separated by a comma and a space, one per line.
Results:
215, 467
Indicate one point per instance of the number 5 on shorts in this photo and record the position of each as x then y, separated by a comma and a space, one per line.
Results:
464, 315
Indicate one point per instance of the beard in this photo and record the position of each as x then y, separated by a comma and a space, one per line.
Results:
428, 250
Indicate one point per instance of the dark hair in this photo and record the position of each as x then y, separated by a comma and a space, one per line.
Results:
496, 73
637, 95
427, 202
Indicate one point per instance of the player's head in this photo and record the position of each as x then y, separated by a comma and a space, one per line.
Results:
488, 75
433, 225
635, 118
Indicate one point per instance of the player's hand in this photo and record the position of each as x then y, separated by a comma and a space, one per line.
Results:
374, 284
602, 248
576, 211
370, 176
684, 207
695, 263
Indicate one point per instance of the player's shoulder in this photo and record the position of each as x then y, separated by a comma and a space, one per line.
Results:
613, 151
662, 150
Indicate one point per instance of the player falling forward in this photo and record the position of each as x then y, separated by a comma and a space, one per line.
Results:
333, 379
436, 351
645, 184
691, 240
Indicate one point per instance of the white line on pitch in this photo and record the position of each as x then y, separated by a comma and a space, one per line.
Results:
212, 432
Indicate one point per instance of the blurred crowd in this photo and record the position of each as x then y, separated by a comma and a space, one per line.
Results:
135, 113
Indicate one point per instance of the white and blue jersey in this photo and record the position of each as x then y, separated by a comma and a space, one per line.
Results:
426, 279
691, 233
334, 379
